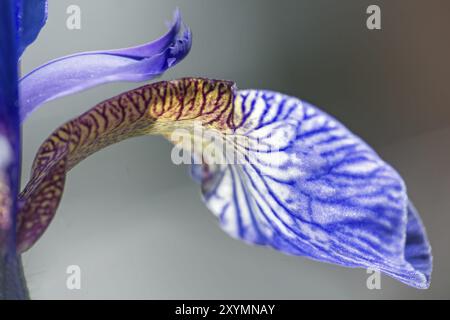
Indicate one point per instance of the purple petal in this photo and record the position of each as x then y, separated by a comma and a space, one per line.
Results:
307, 186
31, 17
82, 71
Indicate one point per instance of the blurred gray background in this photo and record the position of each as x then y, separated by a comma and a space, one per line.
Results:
134, 222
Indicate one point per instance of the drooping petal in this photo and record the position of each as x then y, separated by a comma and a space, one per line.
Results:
299, 181
82, 71
310, 187
31, 17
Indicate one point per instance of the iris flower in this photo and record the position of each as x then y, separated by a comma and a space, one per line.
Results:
20, 23
304, 184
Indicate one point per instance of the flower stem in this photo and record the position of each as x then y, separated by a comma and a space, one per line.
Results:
12, 279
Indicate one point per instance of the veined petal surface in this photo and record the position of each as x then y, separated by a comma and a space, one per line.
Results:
71, 74
157, 108
294, 178
310, 187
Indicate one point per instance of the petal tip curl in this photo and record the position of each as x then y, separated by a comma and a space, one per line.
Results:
78, 72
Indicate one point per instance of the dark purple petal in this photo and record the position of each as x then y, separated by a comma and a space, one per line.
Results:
11, 281
31, 17
82, 71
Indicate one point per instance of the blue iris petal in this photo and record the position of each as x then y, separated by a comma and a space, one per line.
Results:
9, 124
31, 17
310, 187
82, 71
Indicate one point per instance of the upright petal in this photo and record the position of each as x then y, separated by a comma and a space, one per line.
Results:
31, 17
82, 71
12, 285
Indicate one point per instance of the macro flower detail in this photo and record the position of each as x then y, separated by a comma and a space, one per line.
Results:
20, 24
305, 184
